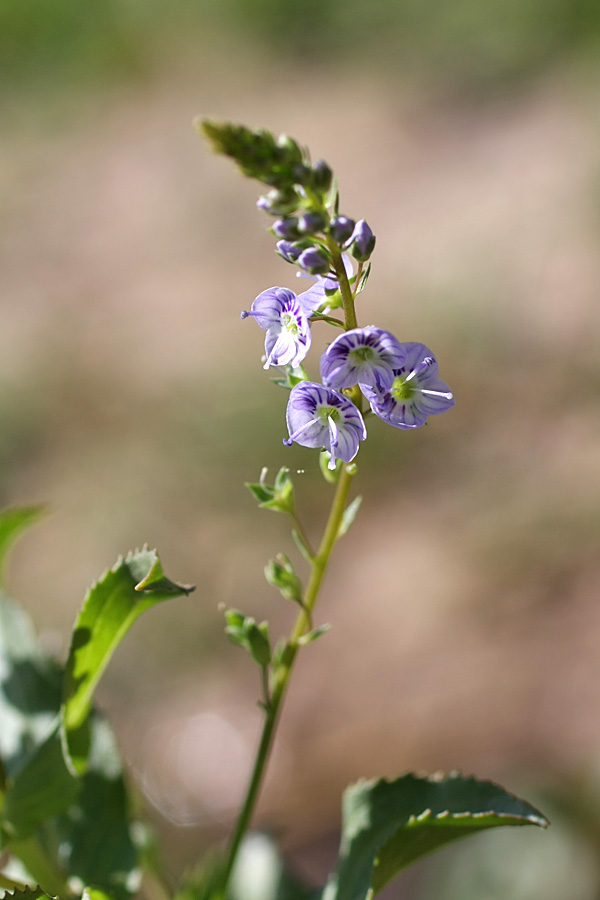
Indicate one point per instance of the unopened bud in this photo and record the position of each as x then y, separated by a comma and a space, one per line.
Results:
311, 222
286, 228
314, 261
322, 176
363, 241
341, 229
289, 251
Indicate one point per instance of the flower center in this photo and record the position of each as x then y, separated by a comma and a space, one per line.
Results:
362, 354
402, 390
328, 412
289, 322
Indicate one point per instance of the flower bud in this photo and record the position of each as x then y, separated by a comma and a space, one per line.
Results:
279, 202
289, 251
341, 229
311, 222
290, 149
286, 228
363, 241
322, 176
314, 261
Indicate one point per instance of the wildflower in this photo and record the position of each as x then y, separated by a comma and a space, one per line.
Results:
364, 356
416, 392
282, 315
320, 417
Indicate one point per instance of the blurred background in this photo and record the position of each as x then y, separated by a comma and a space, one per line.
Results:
464, 601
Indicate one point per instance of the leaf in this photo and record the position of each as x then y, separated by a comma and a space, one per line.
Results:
30, 689
387, 825
28, 893
43, 788
12, 523
111, 606
313, 635
96, 835
349, 516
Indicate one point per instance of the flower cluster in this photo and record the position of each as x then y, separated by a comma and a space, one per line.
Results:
399, 381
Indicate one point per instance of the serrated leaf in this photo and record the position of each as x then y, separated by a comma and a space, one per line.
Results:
349, 516
28, 893
12, 523
387, 825
135, 584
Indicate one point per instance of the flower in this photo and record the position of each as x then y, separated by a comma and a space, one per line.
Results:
364, 356
320, 417
284, 317
416, 392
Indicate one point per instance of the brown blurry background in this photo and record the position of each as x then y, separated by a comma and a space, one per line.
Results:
464, 601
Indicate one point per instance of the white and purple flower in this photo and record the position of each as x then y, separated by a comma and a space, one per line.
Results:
364, 356
284, 316
321, 417
416, 392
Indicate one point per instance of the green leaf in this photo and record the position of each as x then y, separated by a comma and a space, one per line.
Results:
12, 523
349, 516
311, 636
43, 788
278, 496
279, 573
387, 825
96, 835
111, 606
28, 893
30, 689
363, 280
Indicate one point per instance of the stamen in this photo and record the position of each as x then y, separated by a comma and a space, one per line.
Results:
447, 394
428, 361
293, 437
333, 442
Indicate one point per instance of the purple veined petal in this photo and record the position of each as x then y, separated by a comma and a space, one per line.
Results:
365, 356
415, 356
416, 393
313, 298
267, 307
321, 417
433, 401
284, 349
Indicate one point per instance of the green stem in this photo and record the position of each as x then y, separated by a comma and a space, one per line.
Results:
282, 673
345, 289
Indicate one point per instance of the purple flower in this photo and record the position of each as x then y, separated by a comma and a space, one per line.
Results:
320, 417
282, 315
364, 356
416, 391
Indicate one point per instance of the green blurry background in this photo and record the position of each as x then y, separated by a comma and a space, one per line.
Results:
465, 599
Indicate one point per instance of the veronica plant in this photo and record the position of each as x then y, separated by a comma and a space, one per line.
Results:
66, 824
